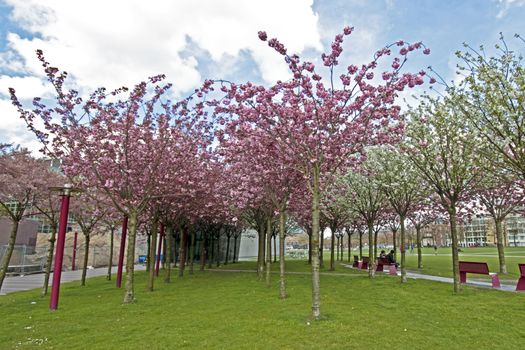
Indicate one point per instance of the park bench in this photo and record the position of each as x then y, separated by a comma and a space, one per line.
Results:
356, 261
381, 262
364, 263
479, 268
521, 281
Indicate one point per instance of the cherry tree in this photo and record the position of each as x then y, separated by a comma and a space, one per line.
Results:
441, 145
323, 124
22, 177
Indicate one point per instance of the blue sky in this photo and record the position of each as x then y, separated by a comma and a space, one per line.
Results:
120, 42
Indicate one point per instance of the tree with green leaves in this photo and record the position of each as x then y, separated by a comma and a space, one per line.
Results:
446, 152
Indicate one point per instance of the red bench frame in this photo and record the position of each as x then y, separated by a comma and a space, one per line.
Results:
364, 263
521, 281
479, 268
381, 262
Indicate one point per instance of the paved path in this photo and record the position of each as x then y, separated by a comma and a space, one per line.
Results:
19, 283
472, 282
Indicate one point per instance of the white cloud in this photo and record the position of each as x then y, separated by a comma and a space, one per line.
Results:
505, 5
122, 42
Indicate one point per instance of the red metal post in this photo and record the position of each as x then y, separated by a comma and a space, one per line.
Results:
122, 245
161, 236
59, 256
73, 264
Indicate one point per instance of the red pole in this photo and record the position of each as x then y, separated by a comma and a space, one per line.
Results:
122, 245
73, 267
59, 256
161, 236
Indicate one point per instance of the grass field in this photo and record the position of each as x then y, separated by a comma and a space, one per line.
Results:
228, 310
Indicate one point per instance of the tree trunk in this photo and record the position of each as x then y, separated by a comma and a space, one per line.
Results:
86, 256
360, 246
349, 246
218, 254
320, 248
282, 280
235, 237
129, 294
316, 282
228, 236
152, 258
169, 258
418, 243
403, 250
204, 251
110, 262
268, 251
371, 257
274, 248
375, 245
192, 250
501, 248
455, 255
182, 251
49, 261
310, 248
148, 255
332, 250
210, 249
394, 233
260, 253
9, 251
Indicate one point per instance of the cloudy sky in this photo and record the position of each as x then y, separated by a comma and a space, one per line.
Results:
121, 42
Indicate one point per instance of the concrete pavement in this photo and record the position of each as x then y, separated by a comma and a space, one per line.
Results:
27, 282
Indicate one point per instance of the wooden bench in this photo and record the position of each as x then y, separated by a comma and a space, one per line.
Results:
364, 263
356, 261
381, 262
521, 281
479, 268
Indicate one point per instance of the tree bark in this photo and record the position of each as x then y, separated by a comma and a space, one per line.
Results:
282, 280
394, 238
129, 294
235, 237
418, 243
152, 258
182, 251
268, 251
260, 253
455, 255
110, 262
332, 250
86, 257
210, 249
9, 251
349, 246
274, 248
371, 257
360, 246
204, 251
192, 250
228, 236
320, 248
403, 249
310, 247
218, 253
169, 247
501, 247
148, 249
49, 261
316, 282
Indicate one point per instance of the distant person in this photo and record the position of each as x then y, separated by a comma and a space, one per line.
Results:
391, 259
382, 255
435, 249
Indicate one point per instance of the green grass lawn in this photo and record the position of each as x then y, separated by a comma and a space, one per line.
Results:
227, 310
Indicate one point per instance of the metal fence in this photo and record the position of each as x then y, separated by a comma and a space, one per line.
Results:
24, 259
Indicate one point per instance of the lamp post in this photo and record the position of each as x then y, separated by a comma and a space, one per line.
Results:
121, 251
67, 190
